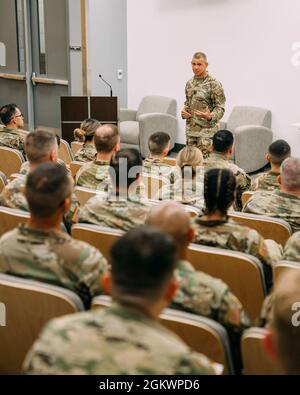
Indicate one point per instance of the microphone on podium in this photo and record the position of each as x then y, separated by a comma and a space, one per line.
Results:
111, 91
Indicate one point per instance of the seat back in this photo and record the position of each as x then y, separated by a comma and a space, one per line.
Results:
246, 196
270, 228
256, 361
75, 166
201, 334
84, 194
248, 115
3, 181
10, 218
243, 273
157, 104
29, 305
282, 267
170, 161
98, 236
152, 184
75, 146
64, 152
10, 160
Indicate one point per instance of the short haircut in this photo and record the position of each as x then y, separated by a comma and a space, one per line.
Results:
287, 331
106, 138
7, 113
199, 55
38, 146
142, 261
158, 142
290, 174
87, 130
222, 141
279, 150
219, 189
47, 186
121, 164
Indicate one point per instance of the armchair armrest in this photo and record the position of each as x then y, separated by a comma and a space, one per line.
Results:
251, 145
127, 115
155, 122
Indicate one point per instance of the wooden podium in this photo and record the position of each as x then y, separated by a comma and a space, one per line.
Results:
75, 109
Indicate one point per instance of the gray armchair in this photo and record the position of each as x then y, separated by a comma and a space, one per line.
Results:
155, 114
251, 127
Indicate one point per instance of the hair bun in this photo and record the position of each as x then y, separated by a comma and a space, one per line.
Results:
79, 135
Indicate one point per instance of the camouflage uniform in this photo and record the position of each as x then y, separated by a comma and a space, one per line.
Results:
276, 204
186, 192
86, 153
53, 257
230, 235
94, 175
157, 167
265, 182
292, 248
13, 138
201, 93
25, 167
205, 295
113, 212
116, 340
243, 181
13, 196
266, 313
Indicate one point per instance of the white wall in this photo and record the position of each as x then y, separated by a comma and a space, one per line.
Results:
248, 42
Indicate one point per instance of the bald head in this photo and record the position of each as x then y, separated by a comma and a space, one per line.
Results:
171, 218
290, 174
106, 138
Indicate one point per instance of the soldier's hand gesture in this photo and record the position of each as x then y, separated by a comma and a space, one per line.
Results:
206, 114
185, 114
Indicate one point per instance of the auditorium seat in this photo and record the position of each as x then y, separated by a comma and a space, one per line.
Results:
10, 218
10, 160
75, 166
3, 181
64, 152
283, 266
75, 146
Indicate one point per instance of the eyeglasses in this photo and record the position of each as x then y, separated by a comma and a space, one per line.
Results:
20, 115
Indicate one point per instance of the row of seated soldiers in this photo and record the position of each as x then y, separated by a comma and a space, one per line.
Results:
52, 255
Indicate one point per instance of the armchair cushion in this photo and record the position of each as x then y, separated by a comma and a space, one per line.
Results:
159, 104
248, 115
129, 132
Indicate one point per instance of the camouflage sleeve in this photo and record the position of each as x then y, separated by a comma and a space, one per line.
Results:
255, 184
292, 248
218, 101
266, 312
13, 198
232, 314
187, 102
71, 216
195, 363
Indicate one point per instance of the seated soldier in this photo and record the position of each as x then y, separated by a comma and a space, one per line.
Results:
188, 184
197, 292
291, 250
12, 135
122, 207
85, 134
25, 167
283, 203
40, 250
217, 230
125, 338
40, 147
222, 150
95, 175
282, 340
278, 151
159, 145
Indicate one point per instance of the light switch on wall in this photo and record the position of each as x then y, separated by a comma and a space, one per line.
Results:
119, 74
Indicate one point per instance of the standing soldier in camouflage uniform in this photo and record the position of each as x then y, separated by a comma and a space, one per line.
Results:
283, 203
222, 150
216, 230
40, 250
122, 208
95, 175
85, 134
127, 337
279, 150
198, 292
41, 147
12, 135
204, 105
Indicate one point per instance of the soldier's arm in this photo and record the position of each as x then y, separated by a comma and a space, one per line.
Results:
232, 314
255, 184
218, 102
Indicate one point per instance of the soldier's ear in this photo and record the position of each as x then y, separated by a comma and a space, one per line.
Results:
269, 344
171, 290
191, 234
279, 180
268, 158
105, 282
66, 205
